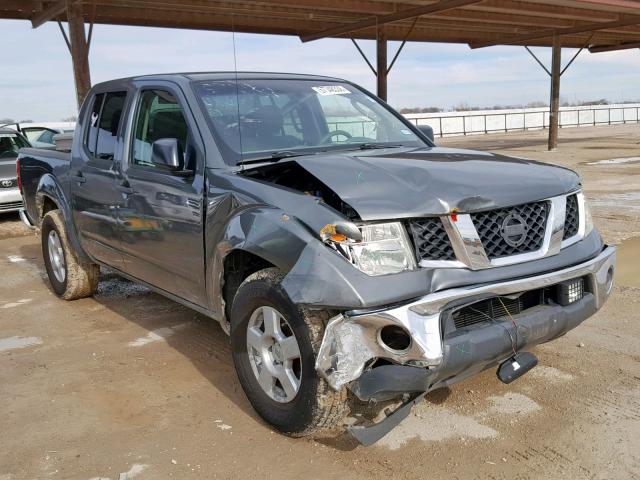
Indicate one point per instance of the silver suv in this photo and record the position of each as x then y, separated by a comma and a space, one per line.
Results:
10, 142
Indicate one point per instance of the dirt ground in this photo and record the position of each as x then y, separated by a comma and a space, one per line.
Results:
129, 384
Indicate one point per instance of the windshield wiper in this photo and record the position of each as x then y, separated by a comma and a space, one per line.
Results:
372, 146
274, 157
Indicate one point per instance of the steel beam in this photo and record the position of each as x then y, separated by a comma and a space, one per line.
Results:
554, 104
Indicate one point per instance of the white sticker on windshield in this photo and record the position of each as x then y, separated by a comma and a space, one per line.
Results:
331, 90
405, 132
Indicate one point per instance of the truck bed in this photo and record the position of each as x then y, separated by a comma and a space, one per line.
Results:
36, 163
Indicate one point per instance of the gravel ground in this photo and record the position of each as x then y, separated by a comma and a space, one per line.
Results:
131, 385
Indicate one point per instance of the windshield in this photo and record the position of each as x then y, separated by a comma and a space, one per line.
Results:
10, 143
256, 118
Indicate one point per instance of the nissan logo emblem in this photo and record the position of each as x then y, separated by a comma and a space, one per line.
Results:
6, 183
514, 230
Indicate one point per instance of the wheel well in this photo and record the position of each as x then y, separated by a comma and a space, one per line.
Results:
238, 265
48, 205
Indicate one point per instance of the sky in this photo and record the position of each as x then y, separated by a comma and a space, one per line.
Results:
36, 78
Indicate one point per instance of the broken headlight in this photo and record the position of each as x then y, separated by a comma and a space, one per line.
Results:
383, 249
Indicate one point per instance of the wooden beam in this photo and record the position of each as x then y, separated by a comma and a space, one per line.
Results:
510, 19
629, 5
548, 10
612, 48
49, 13
79, 50
554, 105
21, 5
393, 17
585, 28
381, 64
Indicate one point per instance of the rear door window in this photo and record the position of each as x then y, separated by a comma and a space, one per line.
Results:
92, 130
109, 123
104, 121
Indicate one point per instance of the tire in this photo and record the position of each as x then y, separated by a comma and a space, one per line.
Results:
315, 407
70, 277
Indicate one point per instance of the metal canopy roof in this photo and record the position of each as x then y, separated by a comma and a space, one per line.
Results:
600, 24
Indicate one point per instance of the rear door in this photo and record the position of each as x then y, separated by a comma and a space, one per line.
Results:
94, 176
161, 218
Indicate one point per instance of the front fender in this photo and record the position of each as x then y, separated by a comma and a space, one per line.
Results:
49, 188
266, 232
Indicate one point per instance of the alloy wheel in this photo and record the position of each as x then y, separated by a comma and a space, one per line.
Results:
274, 354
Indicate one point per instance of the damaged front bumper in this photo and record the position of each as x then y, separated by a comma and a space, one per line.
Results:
439, 354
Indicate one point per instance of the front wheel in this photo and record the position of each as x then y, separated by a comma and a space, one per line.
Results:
274, 345
70, 277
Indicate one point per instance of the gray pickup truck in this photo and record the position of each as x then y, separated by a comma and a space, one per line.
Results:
352, 262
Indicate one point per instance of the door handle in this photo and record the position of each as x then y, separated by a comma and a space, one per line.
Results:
79, 178
126, 189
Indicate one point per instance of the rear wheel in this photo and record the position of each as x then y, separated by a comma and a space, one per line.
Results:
70, 277
275, 343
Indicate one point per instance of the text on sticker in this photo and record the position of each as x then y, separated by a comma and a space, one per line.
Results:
331, 90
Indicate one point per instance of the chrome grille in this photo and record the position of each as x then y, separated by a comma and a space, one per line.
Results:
489, 226
487, 310
572, 220
431, 240
10, 206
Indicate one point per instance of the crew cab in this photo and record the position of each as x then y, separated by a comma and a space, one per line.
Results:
351, 260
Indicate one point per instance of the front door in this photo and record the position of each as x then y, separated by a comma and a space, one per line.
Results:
161, 219
94, 179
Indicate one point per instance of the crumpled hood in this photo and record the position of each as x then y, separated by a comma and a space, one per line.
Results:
393, 183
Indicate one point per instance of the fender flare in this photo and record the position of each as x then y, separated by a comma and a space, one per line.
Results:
49, 188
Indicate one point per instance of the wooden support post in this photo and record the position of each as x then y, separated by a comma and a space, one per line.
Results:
554, 104
79, 50
381, 67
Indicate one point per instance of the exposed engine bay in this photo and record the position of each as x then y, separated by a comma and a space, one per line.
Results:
291, 175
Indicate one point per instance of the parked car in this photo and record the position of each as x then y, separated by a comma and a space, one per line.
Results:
44, 137
10, 142
350, 259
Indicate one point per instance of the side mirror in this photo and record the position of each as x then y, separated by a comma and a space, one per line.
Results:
427, 130
165, 153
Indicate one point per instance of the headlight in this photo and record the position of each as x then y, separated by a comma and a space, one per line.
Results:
384, 249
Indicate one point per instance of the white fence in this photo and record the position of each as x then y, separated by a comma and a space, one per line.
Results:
486, 121
483, 121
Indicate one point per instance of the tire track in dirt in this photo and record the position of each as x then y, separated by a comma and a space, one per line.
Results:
535, 462
611, 406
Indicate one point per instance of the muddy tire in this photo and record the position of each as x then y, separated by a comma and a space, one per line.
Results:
70, 277
274, 344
